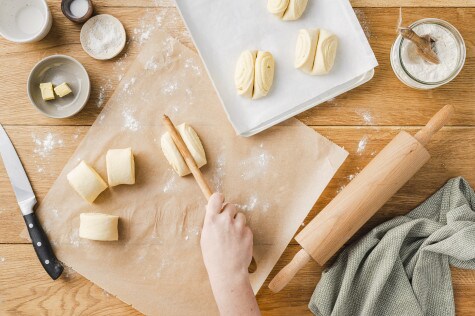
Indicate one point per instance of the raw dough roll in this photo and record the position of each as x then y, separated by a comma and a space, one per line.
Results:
264, 76
277, 7
305, 49
192, 142
294, 10
97, 226
87, 183
244, 74
326, 53
120, 166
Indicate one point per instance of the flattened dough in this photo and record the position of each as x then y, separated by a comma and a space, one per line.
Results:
98, 226
244, 74
264, 76
305, 49
192, 141
86, 181
120, 166
326, 53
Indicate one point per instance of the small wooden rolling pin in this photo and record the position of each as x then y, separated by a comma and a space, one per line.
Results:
191, 163
361, 198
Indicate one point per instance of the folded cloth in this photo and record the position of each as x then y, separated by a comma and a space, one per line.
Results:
402, 266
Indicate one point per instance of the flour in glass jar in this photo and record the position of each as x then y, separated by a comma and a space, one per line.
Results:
446, 48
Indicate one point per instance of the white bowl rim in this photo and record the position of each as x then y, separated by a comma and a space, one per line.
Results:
36, 35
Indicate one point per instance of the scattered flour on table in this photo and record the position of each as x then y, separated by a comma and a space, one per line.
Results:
44, 148
130, 122
364, 22
250, 205
362, 145
2, 259
171, 183
366, 116
256, 164
219, 173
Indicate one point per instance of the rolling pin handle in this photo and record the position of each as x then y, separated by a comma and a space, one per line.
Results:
289, 271
436, 123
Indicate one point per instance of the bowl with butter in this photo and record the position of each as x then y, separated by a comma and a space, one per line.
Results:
59, 86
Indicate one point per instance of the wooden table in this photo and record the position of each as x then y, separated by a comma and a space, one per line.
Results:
362, 121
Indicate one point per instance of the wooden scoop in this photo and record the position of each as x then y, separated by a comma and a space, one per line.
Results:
424, 44
191, 163
362, 197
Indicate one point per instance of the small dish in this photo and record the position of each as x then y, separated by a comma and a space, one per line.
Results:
103, 37
58, 69
78, 11
24, 21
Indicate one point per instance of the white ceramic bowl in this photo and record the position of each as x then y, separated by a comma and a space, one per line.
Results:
58, 69
24, 21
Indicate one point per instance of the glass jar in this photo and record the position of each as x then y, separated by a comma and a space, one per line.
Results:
410, 79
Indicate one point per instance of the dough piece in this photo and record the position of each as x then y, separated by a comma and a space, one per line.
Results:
295, 10
326, 53
120, 166
305, 49
244, 74
264, 74
192, 141
98, 226
87, 183
277, 7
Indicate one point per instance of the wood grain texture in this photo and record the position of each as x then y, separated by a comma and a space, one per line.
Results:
382, 101
362, 121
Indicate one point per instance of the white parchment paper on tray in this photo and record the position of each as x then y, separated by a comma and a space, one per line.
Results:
156, 266
222, 29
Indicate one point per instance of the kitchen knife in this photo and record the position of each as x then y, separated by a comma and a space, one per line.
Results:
27, 201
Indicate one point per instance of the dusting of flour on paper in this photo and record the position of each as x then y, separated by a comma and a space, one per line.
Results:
256, 164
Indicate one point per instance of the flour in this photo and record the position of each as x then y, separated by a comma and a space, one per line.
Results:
366, 116
43, 147
447, 50
362, 145
256, 164
2, 259
104, 37
130, 122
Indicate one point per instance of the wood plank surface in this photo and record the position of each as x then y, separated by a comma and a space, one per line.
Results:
382, 101
362, 121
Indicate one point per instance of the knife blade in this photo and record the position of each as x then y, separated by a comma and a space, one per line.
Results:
26, 200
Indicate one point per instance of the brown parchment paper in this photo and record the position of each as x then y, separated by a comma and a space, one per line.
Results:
156, 266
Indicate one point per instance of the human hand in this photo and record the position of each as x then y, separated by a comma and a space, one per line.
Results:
226, 241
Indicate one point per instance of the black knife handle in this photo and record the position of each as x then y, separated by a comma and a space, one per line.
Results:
42, 247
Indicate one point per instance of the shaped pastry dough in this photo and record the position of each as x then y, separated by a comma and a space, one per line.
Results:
97, 226
87, 183
244, 74
305, 49
254, 74
287, 10
264, 74
326, 53
192, 141
120, 166
295, 10
277, 7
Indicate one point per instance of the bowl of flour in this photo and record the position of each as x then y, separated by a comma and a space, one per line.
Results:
418, 73
103, 37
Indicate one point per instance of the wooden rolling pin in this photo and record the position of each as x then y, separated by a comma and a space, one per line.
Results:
361, 198
195, 170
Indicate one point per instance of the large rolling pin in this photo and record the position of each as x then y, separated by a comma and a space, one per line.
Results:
361, 198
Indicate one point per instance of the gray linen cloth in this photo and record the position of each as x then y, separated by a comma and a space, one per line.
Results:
402, 266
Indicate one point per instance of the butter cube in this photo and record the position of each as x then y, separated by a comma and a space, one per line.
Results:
62, 90
47, 91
